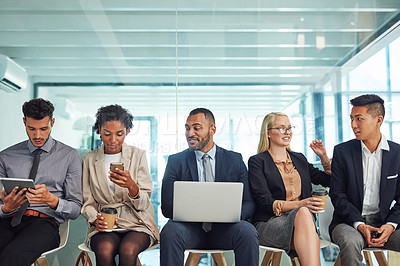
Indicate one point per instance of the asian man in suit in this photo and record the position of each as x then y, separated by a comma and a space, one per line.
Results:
365, 182
191, 165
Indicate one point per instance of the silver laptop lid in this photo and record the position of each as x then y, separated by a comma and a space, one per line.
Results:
217, 202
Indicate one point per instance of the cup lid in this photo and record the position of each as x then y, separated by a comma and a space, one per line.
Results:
109, 210
320, 192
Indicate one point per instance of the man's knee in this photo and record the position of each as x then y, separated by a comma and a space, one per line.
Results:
172, 232
169, 230
346, 236
246, 232
12, 256
393, 242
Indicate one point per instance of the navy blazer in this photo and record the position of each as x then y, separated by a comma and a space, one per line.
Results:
347, 191
267, 185
229, 167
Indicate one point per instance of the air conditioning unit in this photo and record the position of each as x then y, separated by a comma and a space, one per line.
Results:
13, 77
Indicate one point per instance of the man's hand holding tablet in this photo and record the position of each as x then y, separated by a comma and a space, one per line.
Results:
13, 192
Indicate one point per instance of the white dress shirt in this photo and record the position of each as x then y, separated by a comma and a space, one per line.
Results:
199, 160
111, 158
372, 166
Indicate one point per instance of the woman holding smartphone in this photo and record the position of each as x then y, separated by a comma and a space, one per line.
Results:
127, 188
280, 180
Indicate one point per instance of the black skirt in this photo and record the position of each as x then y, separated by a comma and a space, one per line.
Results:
277, 232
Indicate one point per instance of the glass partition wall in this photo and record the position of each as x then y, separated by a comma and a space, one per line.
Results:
240, 59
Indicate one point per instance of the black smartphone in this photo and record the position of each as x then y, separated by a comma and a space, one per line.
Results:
375, 234
118, 165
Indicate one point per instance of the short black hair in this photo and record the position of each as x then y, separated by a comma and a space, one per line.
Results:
38, 109
374, 103
207, 113
113, 113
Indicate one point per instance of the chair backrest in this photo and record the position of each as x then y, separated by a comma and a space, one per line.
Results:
64, 232
325, 219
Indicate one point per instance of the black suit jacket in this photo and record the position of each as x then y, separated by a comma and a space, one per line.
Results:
229, 167
267, 185
347, 191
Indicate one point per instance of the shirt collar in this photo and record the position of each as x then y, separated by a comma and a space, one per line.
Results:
211, 153
383, 145
46, 147
288, 158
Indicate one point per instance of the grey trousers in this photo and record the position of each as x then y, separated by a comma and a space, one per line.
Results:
351, 242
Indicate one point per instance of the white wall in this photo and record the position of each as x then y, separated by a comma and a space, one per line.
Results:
12, 129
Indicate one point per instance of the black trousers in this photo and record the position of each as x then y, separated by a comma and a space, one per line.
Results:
23, 244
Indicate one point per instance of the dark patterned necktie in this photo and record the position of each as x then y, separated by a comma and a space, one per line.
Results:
16, 220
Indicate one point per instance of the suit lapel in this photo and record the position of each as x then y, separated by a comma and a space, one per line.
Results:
125, 159
192, 164
386, 158
273, 169
218, 160
358, 168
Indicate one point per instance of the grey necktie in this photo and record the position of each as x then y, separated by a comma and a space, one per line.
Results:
209, 178
16, 220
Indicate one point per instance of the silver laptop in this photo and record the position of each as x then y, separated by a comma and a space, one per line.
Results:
216, 202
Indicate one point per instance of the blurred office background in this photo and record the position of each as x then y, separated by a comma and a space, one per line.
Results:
162, 58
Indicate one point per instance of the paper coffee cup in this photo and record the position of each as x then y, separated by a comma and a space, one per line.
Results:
323, 195
109, 215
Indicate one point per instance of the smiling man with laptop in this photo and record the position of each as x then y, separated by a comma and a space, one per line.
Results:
196, 218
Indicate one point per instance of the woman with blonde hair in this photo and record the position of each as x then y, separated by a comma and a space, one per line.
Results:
280, 180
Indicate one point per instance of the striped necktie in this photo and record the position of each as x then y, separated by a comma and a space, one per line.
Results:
209, 178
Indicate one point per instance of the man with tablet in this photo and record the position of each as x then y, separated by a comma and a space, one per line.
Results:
29, 217
206, 162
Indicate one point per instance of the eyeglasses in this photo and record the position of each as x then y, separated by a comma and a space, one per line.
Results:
283, 130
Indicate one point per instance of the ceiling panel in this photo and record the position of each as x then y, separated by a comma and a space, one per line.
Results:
201, 43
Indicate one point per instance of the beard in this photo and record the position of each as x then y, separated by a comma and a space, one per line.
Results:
201, 143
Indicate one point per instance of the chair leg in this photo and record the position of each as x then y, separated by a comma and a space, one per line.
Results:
42, 262
192, 259
276, 258
219, 259
337, 262
368, 258
295, 261
380, 258
267, 258
84, 258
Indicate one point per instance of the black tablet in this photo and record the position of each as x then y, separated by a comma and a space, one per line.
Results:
10, 183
